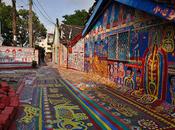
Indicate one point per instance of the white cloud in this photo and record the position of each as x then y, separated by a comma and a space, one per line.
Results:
8, 2
81, 3
50, 28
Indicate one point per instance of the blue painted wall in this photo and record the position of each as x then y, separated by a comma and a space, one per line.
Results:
131, 42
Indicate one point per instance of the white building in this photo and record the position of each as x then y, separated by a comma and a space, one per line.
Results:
56, 44
47, 45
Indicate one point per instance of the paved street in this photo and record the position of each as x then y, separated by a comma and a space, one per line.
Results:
68, 99
87, 65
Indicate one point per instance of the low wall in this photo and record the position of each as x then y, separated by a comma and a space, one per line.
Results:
17, 55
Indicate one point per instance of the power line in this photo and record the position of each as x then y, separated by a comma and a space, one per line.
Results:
73, 26
43, 10
23, 2
42, 13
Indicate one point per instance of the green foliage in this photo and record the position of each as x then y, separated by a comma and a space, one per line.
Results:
38, 28
6, 22
22, 25
79, 18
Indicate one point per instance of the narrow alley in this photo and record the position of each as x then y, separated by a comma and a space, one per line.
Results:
68, 99
87, 65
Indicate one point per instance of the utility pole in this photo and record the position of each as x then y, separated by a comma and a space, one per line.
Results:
1, 38
30, 24
14, 22
0, 28
56, 42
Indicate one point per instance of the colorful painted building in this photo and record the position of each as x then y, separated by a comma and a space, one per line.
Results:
133, 43
76, 54
63, 56
66, 38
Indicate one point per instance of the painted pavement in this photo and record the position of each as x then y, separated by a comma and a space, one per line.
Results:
122, 105
48, 103
70, 100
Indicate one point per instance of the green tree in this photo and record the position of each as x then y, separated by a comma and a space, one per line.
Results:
22, 25
38, 28
79, 18
6, 22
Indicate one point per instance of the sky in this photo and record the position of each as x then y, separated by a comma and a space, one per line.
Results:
54, 9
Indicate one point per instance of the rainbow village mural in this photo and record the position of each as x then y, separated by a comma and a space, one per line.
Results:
76, 56
133, 46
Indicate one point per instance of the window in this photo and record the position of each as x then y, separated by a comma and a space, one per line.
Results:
118, 46
123, 46
112, 45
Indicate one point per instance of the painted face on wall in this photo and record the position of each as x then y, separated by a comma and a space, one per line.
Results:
128, 72
111, 68
168, 45
121, 66
121, 71
116, 65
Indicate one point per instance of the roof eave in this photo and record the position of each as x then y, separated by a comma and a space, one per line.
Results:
143, 5
92, 17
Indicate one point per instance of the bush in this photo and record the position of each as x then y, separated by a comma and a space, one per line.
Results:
34, 64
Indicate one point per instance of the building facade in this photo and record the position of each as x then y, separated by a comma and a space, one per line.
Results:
76, 56
129, 44
47, 44
63, 59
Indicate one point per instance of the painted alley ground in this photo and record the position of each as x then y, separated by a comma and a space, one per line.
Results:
53, 99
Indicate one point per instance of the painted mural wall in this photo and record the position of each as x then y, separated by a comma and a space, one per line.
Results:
63, 56
18, 55
133, 49
76, 57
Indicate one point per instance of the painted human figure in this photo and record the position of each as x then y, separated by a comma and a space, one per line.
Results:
121, 73
128, 81
138, 79
111, 71
115, 75
172, 89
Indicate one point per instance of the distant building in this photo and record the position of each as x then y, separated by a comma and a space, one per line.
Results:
63, 35
47, 45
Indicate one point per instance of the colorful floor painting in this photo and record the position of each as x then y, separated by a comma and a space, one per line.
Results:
52, 100
46, 104
123, 105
